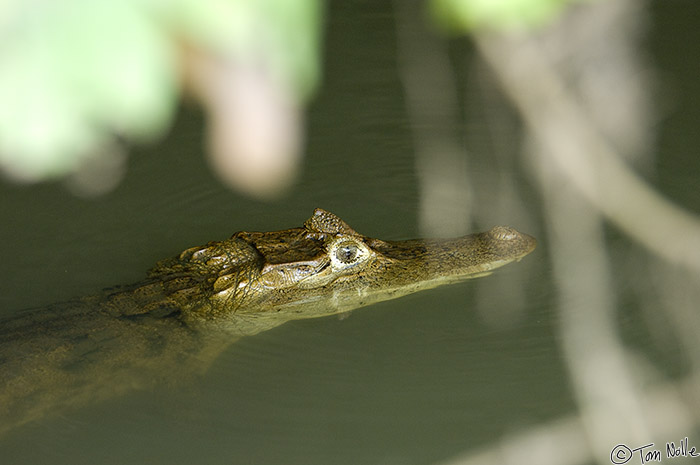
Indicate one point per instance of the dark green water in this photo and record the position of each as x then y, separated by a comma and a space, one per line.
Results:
411, 381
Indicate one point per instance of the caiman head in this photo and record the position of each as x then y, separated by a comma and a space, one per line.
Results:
322, 268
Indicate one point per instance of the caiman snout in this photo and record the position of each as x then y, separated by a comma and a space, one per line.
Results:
510, 243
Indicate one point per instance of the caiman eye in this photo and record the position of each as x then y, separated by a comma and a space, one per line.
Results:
347, 253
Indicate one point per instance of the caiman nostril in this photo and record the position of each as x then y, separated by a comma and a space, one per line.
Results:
504, 233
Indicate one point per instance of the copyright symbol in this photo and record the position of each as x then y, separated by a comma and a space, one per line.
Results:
620, 454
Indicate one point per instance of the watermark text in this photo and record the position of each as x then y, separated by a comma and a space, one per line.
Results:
622, 453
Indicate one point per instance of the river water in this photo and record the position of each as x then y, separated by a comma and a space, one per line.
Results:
420, 380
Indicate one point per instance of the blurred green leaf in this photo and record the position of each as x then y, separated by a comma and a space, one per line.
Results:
75, 74
282, 34
468, 15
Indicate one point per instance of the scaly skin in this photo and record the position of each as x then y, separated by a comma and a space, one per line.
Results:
193, 306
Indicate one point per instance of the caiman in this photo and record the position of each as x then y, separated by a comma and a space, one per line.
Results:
191, 307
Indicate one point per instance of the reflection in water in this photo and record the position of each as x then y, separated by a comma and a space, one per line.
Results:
566, 104
441, 161
471, 370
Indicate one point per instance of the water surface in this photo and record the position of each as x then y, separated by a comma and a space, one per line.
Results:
412, 381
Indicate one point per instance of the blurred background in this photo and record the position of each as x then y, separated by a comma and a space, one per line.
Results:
132, 130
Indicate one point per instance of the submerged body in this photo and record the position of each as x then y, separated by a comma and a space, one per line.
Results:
194, 305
